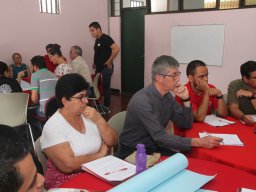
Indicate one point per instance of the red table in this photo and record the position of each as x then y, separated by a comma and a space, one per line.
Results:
228, 179
243, 158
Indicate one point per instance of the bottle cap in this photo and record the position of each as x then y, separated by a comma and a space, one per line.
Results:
140, 147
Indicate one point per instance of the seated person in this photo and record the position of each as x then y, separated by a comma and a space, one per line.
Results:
7, 85
150, 110
205, 98
43, 83
19, 69
79, 66
242, 94
57, 58
17, 169
49, 65
75, 134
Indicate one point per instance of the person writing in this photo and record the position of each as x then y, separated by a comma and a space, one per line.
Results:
150, 110
75, 134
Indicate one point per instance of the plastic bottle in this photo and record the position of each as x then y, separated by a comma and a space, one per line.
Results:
141, 158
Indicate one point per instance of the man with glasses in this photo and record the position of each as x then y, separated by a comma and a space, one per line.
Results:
242, 94
151, 109
205, 98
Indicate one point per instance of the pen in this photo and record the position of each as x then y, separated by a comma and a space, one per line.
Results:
208, 134
119, 170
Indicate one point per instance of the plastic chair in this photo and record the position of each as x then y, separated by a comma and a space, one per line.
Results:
51, 106
13, 111
96, 91
117, 123
42, 158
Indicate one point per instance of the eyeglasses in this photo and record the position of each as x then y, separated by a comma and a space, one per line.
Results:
82, 98
174, 76
254, 78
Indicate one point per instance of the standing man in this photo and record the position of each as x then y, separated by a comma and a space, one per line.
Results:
205, 98
17, 169
150, 110
79, 66
43, 83
242, 94
105, 51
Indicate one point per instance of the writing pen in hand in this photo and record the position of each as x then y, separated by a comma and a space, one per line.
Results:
119, 170
208, 134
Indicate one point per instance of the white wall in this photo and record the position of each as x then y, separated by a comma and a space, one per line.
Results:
24, 29
239, 46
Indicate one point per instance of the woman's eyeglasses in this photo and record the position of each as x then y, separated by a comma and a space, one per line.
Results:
82, 98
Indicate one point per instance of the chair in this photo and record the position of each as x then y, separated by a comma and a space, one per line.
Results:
40, 154
51, 106
117, 123
13, 111
96, 91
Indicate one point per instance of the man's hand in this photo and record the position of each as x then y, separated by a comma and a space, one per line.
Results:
243, 92
214, 92
109, 64
209, 142
247, 119
181, 91
203, 86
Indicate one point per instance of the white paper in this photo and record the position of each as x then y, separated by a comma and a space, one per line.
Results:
25, 85
228, 139
110, 168
247, 190
217, 121
67, 190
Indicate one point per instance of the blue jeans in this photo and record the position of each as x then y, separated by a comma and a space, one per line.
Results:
106, 78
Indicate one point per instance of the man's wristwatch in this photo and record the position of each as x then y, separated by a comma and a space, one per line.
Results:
219, 97
253, 96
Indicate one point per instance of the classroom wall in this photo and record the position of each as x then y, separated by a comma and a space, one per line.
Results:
27, 31
239, 46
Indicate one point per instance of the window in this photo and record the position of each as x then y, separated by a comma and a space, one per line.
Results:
136, 3
50, 6
115, 7
250, 2
224, 4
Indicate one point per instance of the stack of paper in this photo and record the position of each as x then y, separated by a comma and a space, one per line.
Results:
217, 121
110, 168
169, 175
228, 139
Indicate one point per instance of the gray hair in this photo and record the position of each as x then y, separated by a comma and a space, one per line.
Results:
78, 50
162, 64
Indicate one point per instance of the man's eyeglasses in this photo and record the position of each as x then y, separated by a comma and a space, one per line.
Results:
82, 98
254, 78
174, 76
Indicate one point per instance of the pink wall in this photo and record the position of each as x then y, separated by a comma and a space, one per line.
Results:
240, 41
115, 33
24, 29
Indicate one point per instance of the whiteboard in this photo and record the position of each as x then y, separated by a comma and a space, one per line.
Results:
198, 42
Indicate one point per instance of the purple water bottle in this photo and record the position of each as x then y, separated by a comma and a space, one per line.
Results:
141, 158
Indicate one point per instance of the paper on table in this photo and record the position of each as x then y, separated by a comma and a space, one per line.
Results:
67, 190
110, 168
25, 85
247, 190
205, 190
228, 139
168, 175
217, 121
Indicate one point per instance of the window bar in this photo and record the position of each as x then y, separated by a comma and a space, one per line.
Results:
241, 3
217, 4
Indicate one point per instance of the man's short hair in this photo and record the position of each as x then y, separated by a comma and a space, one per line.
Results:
247, 68
38, 61
161, 65
55, 50
12, 150
78, 50
95, 24
3, 68
191, 68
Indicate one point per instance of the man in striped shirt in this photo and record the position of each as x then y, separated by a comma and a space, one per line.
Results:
43, 83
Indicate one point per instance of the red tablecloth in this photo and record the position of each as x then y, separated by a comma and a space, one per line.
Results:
228, 179
243, 158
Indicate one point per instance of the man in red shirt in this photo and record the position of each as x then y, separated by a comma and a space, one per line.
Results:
204, 98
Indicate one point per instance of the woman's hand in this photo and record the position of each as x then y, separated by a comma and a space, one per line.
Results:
92, 114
